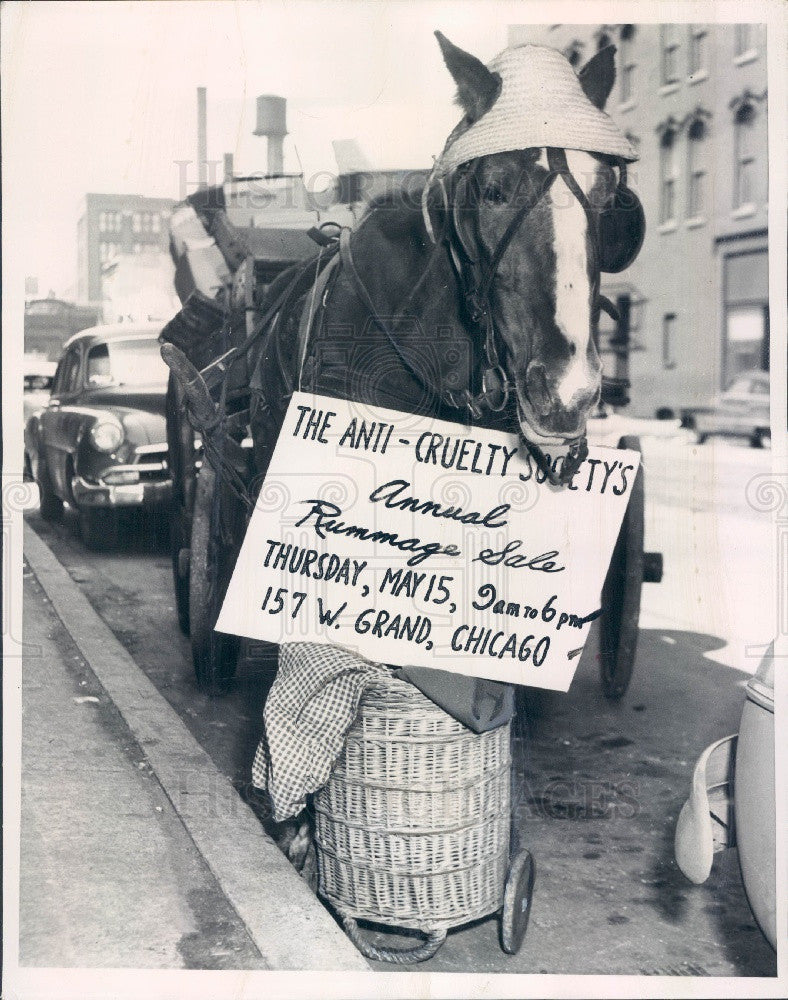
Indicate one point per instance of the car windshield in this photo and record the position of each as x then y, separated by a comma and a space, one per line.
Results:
126, 362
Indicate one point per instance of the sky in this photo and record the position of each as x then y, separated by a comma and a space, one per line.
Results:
102, 96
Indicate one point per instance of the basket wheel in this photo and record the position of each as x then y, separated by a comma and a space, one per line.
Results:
517, 902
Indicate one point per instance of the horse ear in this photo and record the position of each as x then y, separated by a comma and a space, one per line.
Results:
598, 76
477, 87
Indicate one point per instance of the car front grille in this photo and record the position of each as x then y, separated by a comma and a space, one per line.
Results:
151, 462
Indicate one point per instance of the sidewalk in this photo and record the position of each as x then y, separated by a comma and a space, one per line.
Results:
136, 852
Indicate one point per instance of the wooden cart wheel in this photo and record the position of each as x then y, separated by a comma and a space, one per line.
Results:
517, 902
618, 626
181, 457
214, 654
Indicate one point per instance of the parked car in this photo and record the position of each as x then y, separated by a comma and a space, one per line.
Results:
732, 803
38, 375
100, 444
741, 411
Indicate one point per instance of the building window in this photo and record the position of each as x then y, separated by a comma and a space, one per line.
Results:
668, 340
696, 169
744, 152
627, 50
603, 40
102, 222
697, 51
670, 53
156, 222
102, 252
667, 170
135, 222
747, 346
744, 40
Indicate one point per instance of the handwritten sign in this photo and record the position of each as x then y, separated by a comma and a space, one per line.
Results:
416, 541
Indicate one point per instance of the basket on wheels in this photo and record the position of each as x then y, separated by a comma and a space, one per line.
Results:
413, 826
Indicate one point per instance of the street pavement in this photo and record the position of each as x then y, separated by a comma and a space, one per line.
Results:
133, 845
598, 786
109, 875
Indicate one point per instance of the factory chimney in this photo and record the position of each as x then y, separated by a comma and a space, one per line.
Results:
271, 122
202, 138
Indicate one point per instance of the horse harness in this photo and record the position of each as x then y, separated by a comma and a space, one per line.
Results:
616, 240
620, 229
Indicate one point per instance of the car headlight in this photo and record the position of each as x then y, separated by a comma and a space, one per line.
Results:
106, 435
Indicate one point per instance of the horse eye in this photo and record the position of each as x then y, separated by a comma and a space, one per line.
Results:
494, 194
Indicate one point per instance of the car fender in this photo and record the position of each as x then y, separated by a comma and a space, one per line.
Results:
139, 428
705, 824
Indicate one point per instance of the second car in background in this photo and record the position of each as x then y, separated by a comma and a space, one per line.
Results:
741, 411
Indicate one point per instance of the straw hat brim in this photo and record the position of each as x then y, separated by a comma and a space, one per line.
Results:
541, 103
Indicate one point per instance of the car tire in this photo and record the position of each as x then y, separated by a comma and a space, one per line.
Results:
761, 438
703, 438
98, 529
50, 504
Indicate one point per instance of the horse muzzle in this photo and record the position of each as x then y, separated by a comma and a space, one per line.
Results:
555, 429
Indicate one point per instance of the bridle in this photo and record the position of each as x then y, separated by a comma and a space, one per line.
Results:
476, 280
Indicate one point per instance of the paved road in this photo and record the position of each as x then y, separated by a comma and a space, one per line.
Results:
599, 785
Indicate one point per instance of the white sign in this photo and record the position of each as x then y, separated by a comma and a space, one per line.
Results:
417, 541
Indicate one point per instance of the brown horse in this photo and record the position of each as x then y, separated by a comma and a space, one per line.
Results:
476, 303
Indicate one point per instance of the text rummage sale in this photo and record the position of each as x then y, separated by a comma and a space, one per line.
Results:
415, 542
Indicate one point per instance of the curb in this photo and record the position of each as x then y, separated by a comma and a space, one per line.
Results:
287, 923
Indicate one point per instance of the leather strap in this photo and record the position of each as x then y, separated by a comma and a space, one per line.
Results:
312, 308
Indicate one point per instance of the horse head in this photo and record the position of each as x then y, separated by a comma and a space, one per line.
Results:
533, 227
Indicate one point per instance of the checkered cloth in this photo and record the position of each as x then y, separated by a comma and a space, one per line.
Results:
312, 704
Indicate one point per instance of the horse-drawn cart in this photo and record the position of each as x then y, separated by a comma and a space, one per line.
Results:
227, 253
262, 307
209, 517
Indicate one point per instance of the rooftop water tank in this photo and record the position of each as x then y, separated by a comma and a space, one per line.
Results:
271, 115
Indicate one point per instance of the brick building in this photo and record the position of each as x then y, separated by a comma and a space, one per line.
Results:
117, 224
693, 99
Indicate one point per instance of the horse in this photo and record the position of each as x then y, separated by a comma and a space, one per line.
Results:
477, 302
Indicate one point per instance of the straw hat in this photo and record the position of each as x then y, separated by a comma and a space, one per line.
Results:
541, 103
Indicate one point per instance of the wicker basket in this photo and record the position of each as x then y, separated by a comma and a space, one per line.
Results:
412, 829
